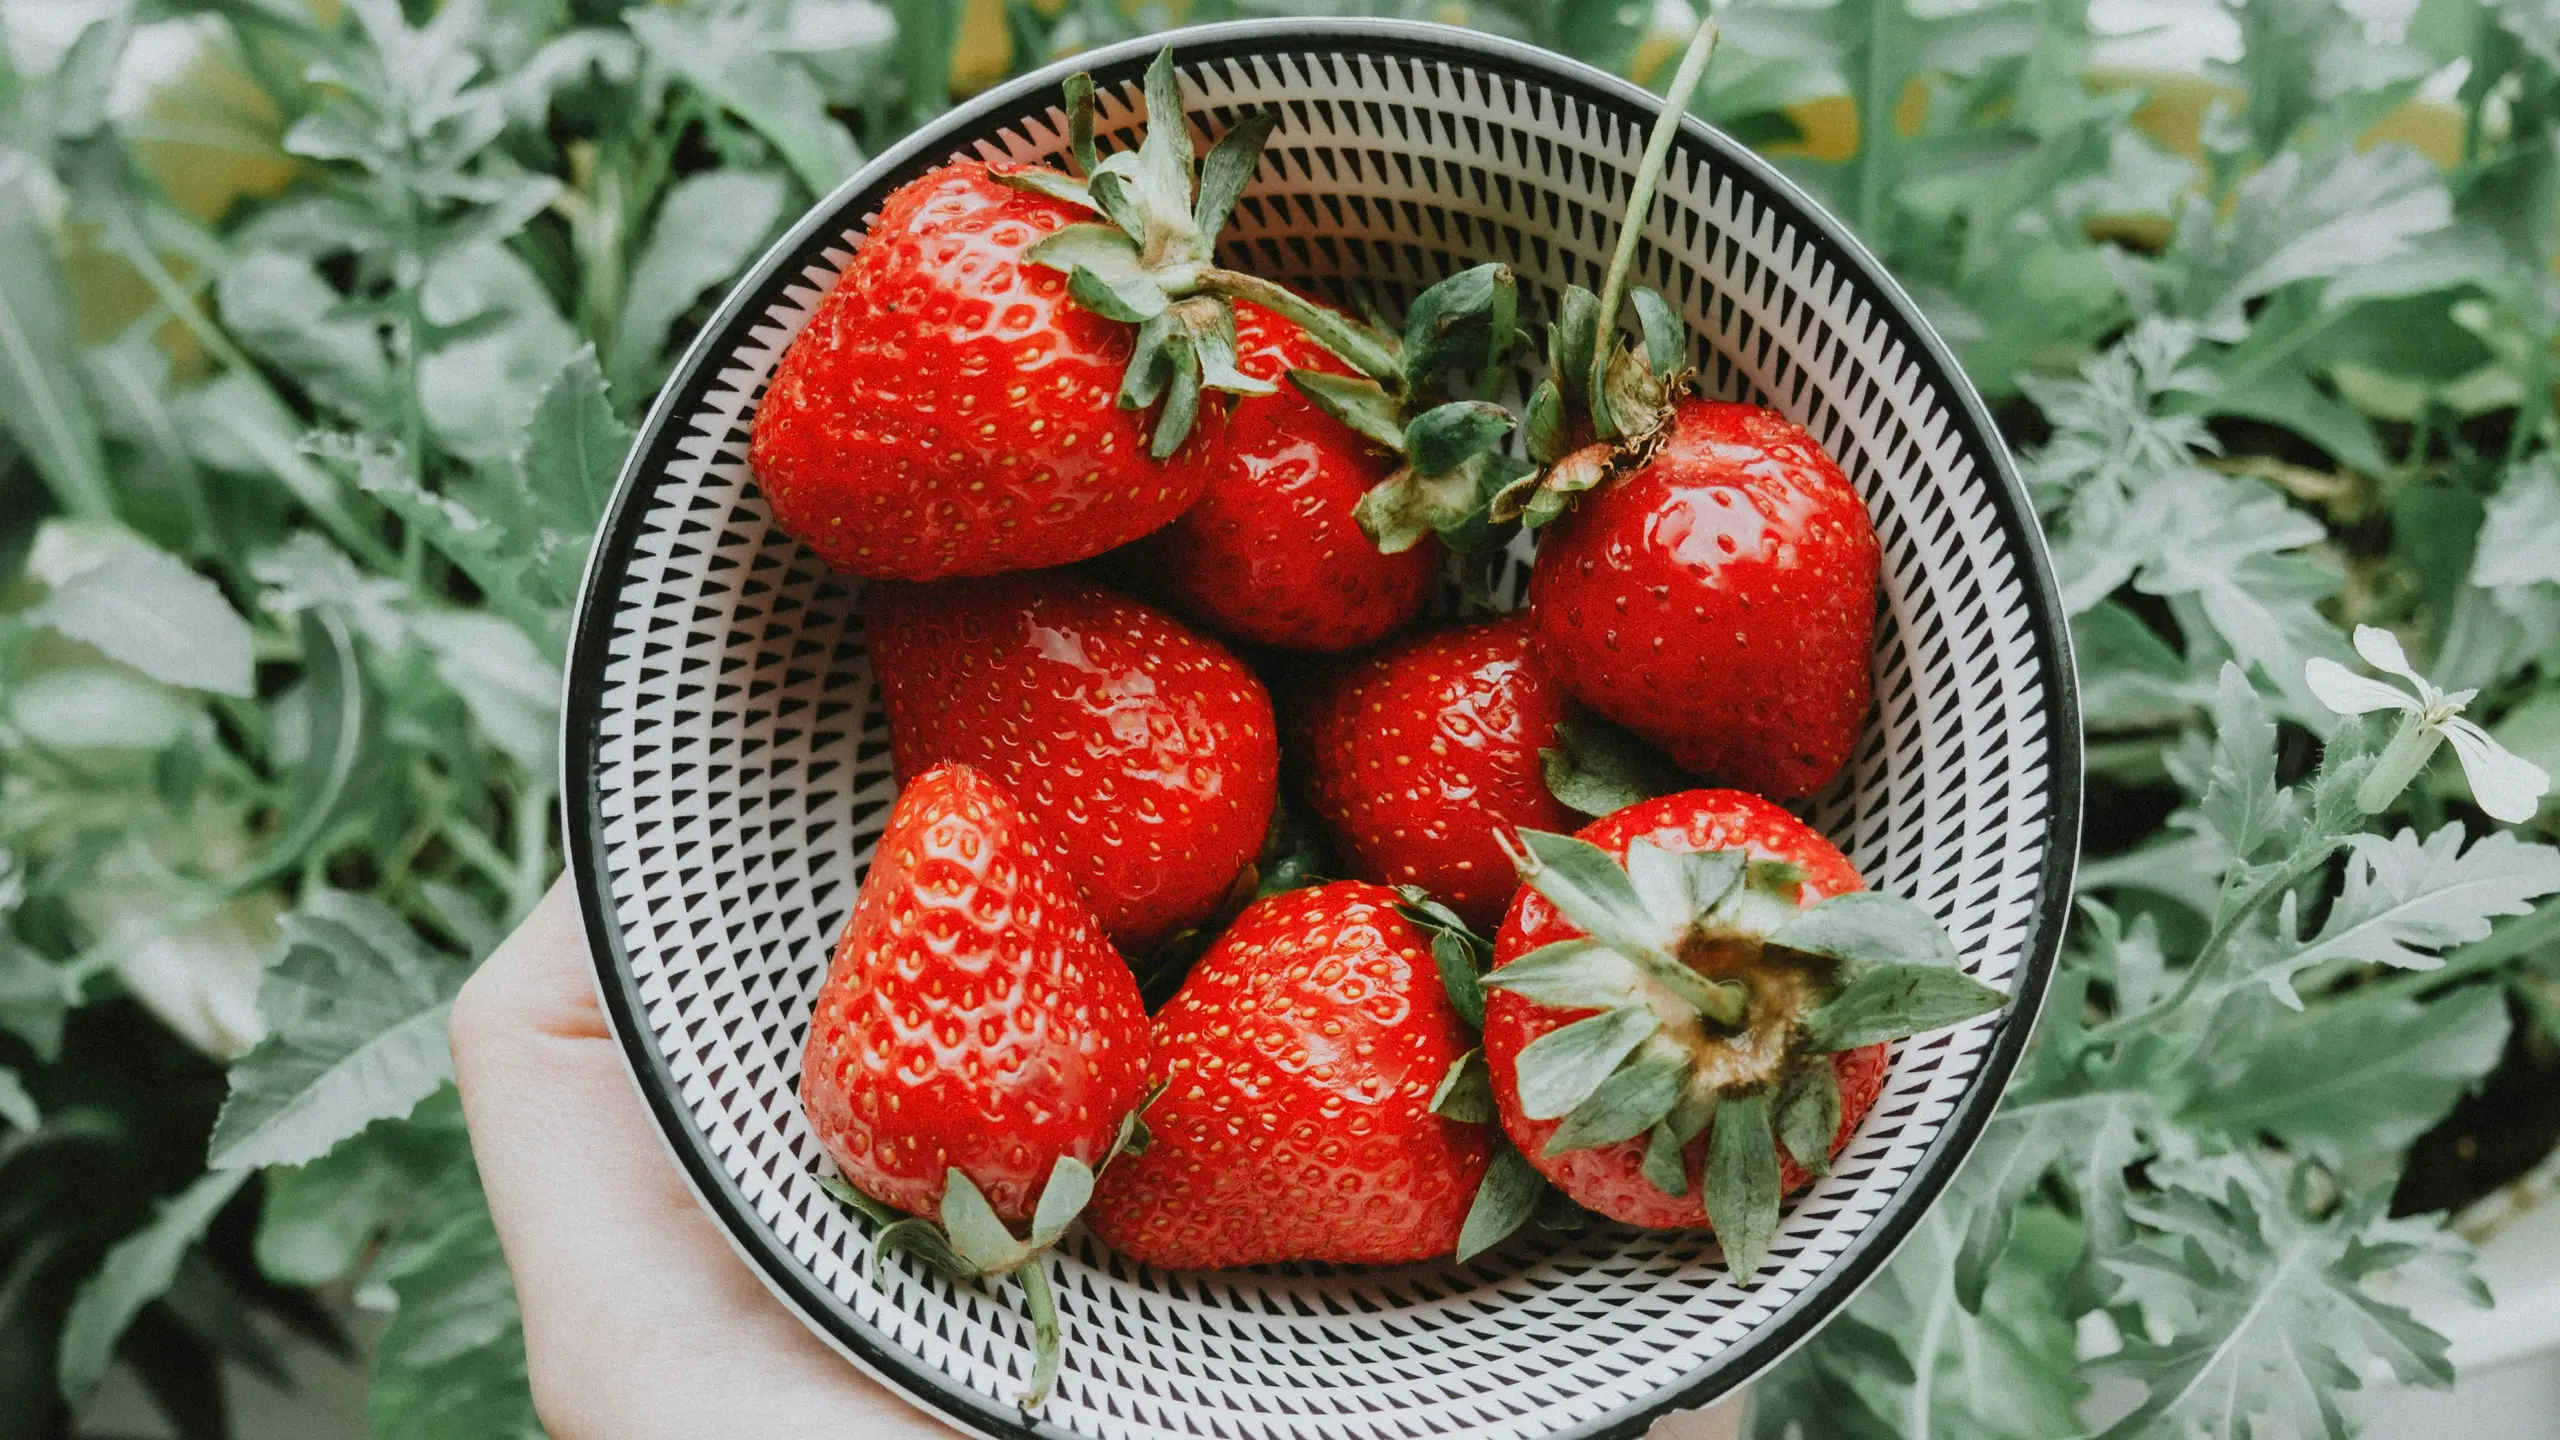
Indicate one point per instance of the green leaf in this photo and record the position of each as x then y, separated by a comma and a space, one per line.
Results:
1742, 1183
926, 1241
280, 310
43, 406
143, 606
1666, 1160
1229, 168
18, 1108
2352, 1082
1666, 339
708, 227
2301, 219
1463, 323
1465, 1093
721, 56
1870, 927
1633, 1099
1455, 959
1559, 1070
356, 1014
977, 1236
1112, 257
2275, 1320
2403, 901
1570, 975
1892, 1001
1599, 768
1571, 343
510, 687
1061, 1201
1808, 1115
317, 1220
1444, 437
137, 1271
1588, 886
1399, 511
1132, 301
451, 1361
1356, 401
2241, 800
1504, 1201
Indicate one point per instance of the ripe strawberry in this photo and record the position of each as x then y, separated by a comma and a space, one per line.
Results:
1719, 600
1271, 554
1425, 754
1690, 984
1145, 751
1709, 578
974, 1018
1300, 1061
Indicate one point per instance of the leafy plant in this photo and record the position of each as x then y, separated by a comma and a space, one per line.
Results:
297, 476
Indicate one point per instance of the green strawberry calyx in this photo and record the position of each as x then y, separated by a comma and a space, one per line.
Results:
1606, 405
1148, 260
970, 1241
1719, 998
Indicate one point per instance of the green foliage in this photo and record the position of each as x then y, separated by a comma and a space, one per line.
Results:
296, 487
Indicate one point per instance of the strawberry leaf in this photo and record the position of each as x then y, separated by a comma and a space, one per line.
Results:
1442, 438
1061, 1201
1465, 1093
1229, 168
1666, 1162
1742, 1183
1466, 322
1599, 768
1637, 1095
1112, 256
1869, 927
1808, 1115
977, 1236
1889, 1002
1591, 889
1570, 975
1455, 958
1356, 401
1559, 1070
1504, 1201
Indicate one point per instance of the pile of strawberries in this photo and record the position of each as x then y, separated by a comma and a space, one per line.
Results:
1682, 1010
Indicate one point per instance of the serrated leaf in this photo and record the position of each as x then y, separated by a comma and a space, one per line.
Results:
356, 1013
317, 1220
146, 608
135, 1273
1559, 1070
1510, 1191
2240, 802
1636, 1096
1465, 1093
1741, 1187
2403, 901
1808, 1115
2299, 219
708, 227
722, 57
451, 1360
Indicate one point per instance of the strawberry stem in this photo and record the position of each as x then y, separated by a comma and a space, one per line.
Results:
1657, 153
1360, 349
1041, 1304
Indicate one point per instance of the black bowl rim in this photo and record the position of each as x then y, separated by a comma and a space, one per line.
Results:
1120, 63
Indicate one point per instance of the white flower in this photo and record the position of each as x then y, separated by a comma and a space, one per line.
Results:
2507, 786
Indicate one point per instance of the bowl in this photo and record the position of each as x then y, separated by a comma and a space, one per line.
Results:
727, 762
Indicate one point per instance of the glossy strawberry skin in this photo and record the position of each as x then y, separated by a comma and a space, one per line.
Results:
950, 411
1720, 601
1271, 554
1300, 1059
974, 1015
1610, 1179
1147, 751
1419, 752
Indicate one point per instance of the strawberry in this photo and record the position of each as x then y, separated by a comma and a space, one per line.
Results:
967, 398
1271, 554
1708, 578
975, 1017
1146, 751
1300, 1061
1719, 600
1421, 755
1689, 985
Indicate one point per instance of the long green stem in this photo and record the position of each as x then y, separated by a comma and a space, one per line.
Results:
1042, 1305
1657, 153
1358, 348
2216, 945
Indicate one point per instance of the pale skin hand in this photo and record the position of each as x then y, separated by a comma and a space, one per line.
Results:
640, 1323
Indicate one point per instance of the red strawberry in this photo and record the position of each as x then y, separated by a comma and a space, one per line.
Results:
950, 411
1145, 751
1300, 1061
1424, 755
974, 1017
1271, 554
1689, 985
1719, 600
1709, 580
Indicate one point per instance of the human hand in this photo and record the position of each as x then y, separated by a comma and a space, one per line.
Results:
639, 1322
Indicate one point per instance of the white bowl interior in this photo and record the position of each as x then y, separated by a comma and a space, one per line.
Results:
734, 772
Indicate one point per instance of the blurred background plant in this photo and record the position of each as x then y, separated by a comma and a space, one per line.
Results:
322, 328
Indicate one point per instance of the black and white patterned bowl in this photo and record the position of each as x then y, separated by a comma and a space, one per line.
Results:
728, 765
